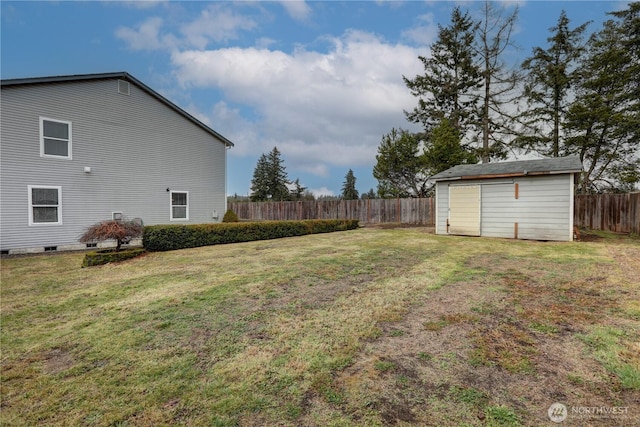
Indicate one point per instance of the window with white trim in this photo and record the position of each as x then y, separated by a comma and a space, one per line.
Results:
179, 205
45, 205
55, 138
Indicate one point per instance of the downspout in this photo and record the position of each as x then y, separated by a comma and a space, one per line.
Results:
227, 147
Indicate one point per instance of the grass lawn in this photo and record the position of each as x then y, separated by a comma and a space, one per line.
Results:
368, 327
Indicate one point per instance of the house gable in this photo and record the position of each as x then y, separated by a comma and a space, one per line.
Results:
120, 77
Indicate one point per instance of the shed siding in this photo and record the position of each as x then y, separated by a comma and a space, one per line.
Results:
442, 207
136, 147
543, 209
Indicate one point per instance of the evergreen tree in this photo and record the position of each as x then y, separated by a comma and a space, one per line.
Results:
298, 192
270, 178
371, 194
401, 168
443, 149
550, 74
629, 30
448, 88
260, 180
278, 180
349, 191
604, 121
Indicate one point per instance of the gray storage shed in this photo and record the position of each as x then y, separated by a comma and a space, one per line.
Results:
529, 199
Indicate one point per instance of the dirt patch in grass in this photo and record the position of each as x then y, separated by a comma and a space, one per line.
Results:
57, 360
377, 326
512, 341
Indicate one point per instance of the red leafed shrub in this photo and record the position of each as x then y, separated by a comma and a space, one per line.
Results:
120, 231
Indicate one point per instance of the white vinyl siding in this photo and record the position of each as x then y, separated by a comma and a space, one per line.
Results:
55, 138
45, 205
179, 206
136, 147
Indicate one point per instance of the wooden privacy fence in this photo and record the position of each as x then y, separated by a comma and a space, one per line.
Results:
608, 212
367, 211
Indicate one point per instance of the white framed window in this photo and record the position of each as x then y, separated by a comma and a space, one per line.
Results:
45, 205
179, 205
55, 138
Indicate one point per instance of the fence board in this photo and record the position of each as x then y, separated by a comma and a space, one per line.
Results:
609, 212
367, 211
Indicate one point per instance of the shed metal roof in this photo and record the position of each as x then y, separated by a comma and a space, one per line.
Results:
122, 75
555, 165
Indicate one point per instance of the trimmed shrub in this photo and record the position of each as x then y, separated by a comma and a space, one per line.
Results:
230, 216
172, 237
105, 257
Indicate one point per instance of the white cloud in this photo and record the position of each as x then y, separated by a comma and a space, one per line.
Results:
322, 191
145, 37
297, 9
424, 33
319, 109
217, 23
142, 4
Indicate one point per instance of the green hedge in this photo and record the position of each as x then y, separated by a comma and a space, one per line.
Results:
105, 257
171, 237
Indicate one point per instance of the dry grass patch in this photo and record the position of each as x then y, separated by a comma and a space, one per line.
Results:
367, 327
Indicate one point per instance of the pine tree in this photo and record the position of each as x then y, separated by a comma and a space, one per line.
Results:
603, 123
443, 149
278, 180
349, 191
550, 75
260, 180
371, 194
448, 87
298, 191
401, 168
270, 178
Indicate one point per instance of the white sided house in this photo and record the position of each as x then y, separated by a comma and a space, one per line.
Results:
77, 150
529, 199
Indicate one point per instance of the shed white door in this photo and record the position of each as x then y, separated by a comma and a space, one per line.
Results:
464, 210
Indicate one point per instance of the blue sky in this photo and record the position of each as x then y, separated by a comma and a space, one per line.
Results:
322, 81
